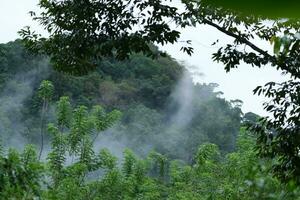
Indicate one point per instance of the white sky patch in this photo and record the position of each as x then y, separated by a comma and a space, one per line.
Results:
14, 16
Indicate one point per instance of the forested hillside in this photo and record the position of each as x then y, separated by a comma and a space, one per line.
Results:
157, 98
134, 129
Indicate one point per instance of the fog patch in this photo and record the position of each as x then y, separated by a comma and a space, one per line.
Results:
182, 99
12, 98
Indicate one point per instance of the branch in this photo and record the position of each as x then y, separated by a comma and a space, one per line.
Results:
237, 37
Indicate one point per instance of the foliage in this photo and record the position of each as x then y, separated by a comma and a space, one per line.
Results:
82, 34
79, 41
115, 28
45, 92
278, 135
21, 175
74, 170
238, 175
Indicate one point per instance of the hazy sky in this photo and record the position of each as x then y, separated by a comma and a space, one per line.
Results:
238, 84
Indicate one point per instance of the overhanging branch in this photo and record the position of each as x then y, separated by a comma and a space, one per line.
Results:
237, 37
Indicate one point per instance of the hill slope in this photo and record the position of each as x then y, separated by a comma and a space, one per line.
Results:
162, 108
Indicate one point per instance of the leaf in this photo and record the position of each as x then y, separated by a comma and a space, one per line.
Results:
277, 45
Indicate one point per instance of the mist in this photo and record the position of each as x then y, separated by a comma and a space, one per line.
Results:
182, 97
14, 93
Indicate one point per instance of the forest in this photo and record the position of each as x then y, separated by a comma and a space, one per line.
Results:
97, 111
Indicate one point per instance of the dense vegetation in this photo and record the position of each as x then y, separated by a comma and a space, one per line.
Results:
241, 175
186, 141
74, 170
84, 32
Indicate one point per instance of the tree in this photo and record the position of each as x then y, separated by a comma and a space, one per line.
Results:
250, 117
45, 92
73, 134
84, 31
277, 136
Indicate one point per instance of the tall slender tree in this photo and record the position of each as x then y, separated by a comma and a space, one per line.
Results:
45, 92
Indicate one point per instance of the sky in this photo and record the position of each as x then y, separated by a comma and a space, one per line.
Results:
237, 84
